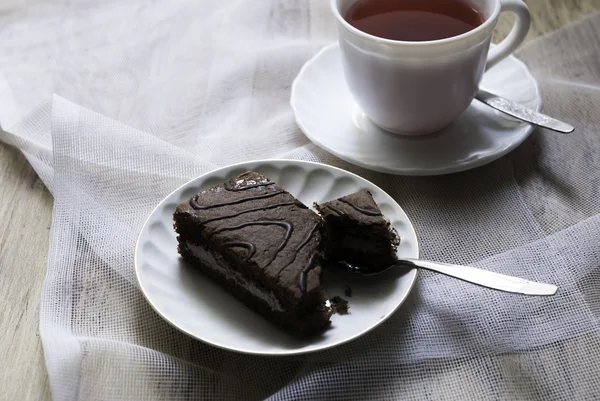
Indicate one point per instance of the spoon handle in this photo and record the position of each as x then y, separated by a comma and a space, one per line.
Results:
523, 113
483, 278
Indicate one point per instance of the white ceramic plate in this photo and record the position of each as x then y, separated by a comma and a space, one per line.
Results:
195, 305
328, 115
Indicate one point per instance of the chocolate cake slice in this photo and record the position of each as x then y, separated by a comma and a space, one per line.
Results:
356, 233
262, 245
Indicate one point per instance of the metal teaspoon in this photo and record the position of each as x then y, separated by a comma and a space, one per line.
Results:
469, 274
523, 113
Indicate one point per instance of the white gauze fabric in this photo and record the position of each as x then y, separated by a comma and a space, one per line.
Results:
116, 103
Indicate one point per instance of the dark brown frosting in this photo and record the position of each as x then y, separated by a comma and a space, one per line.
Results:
236, 186
335, 209
243, 244
362, 210
194, 201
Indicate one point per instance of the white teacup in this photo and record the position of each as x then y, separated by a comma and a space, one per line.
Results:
420, 87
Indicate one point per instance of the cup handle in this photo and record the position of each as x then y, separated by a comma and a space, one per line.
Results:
516, 35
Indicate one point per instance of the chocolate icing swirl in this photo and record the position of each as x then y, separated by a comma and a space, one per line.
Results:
243, 244
309, 236
335, 209
232, 187
311, 262
287, 225
302, 244
368, 212
194, 201
256, 209
304, 273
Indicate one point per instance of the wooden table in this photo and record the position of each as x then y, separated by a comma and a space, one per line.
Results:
26, 212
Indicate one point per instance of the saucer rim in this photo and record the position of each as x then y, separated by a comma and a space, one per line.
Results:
443, 170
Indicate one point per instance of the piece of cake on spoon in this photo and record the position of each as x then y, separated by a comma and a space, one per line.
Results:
357, 233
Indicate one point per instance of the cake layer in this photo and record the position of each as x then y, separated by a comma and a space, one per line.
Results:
215, 263
303, 322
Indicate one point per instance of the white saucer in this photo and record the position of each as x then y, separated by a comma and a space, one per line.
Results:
328, 115
197, 306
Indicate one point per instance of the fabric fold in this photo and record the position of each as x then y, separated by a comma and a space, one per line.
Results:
161, 93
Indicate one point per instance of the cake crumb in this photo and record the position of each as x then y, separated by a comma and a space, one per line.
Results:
339, 305
348, 291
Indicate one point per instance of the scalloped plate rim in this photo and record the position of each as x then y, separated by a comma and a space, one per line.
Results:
400, 302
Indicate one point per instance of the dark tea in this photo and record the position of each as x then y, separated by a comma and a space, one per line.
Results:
414, 20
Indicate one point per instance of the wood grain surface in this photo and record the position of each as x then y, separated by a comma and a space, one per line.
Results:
26, 210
